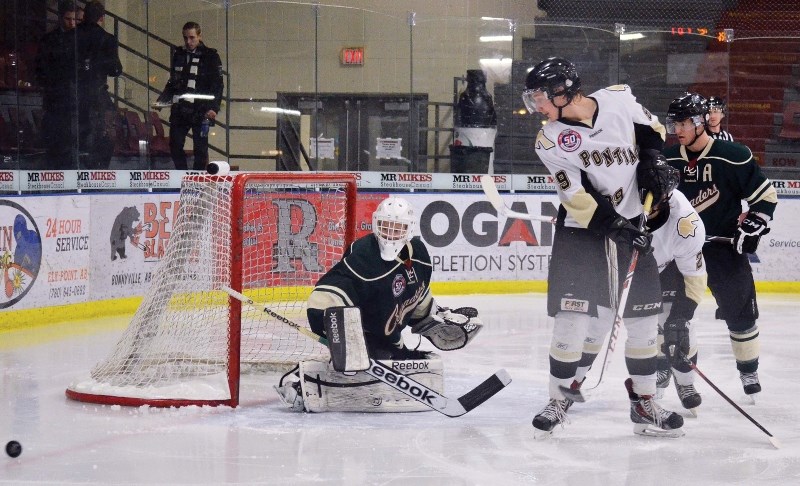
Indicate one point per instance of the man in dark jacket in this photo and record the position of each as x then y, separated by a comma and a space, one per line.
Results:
195, 73
98, 58
55, 73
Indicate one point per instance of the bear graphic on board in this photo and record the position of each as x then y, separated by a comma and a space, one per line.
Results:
123, 229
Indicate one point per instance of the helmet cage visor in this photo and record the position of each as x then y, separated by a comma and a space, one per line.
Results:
671, 121
392, 236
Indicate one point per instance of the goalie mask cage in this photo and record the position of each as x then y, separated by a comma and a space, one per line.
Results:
268, 235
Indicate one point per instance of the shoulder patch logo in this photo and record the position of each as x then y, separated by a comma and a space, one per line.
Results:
569, 140
542, 142
687, 225
398, 285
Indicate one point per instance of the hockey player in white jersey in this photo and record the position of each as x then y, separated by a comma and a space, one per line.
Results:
678, 239
601, 149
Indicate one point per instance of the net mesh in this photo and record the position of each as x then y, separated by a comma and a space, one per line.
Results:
291, 232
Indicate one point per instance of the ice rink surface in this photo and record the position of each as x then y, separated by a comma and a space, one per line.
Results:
261, 442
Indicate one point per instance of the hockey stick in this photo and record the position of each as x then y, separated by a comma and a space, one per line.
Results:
400, 382
492, 194
577, 395
719, 239
772, 438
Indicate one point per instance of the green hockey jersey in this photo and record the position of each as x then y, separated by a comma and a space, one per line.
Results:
718, 179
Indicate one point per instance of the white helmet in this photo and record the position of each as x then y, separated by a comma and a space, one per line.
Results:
393, 225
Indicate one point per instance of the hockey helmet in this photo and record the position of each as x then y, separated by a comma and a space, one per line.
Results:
715, 103
688, 106
393, 224
555, 76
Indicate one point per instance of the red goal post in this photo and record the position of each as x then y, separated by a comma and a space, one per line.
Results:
268, 235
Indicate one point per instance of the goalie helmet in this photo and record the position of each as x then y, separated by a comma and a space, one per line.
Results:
554, 77
715, 103
688, 106
393, 224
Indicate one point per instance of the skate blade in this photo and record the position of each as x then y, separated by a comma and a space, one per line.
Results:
648, 431
750, 399
542, 434
693, 412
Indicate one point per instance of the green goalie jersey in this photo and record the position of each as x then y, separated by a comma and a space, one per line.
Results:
718, 179
390, 294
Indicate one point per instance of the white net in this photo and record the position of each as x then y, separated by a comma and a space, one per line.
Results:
272, 236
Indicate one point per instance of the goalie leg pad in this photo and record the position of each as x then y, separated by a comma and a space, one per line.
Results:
326, 390
346, 338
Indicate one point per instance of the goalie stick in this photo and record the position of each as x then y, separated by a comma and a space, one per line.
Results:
452, 407
490, 189
578, 395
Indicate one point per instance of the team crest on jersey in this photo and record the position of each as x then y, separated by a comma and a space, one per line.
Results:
569, 140
398, 285
687, 225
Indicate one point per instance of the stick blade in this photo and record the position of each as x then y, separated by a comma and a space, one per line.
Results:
574, 395
775, 442
492, 194
485, 390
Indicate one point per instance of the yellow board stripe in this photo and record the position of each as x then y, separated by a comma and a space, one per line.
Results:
11, 320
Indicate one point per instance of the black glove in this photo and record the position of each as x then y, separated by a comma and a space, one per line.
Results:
625, 233
751, 230
676, 340
655, 176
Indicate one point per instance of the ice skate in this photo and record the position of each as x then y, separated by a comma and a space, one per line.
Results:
291, 395
690, 399
551, 415
650, 419
751, 385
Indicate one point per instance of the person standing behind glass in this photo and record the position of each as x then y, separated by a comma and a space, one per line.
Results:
55, 73
717, 109
196, 69
98, 58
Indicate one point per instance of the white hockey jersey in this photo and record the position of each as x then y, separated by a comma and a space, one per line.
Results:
681, 238
604, 149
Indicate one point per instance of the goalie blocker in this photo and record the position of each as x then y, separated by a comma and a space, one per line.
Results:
346, 338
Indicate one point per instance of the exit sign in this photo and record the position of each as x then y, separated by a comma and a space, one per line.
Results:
352, 56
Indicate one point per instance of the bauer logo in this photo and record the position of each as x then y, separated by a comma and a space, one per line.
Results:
569, 140
20, 252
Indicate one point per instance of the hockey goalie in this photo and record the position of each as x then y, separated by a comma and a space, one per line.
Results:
361, 306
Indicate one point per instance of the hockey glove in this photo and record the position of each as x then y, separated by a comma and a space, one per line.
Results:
449, 329
622, 232
753, 227
676, 341
654, 175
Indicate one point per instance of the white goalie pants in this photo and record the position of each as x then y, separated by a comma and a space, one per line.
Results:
327, 390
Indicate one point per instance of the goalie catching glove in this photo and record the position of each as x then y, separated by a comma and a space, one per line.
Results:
449, 329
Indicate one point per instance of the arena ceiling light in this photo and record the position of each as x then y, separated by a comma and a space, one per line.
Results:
632, 36
280, 111
496, 38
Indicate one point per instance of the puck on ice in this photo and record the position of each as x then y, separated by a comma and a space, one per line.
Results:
13, 448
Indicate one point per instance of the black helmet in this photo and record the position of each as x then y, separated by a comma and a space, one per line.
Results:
554, 76
718, 103
688, 105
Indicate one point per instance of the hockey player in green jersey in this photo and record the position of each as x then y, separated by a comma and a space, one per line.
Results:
386, 277
717, 176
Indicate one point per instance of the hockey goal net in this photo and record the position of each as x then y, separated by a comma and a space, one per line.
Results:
268, 235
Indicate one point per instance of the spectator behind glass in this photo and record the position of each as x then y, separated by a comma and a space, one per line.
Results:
98, 58
55, 74
195, 70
